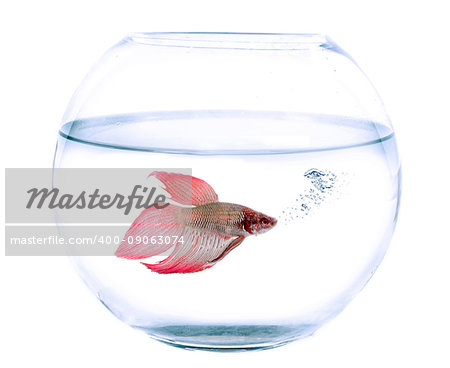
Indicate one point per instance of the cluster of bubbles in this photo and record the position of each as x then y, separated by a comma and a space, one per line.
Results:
322, 184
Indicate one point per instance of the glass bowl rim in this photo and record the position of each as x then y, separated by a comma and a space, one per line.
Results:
232, 40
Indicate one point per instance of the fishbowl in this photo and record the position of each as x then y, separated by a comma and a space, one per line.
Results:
280, 175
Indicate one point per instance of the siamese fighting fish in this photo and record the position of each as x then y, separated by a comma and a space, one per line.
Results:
206, 230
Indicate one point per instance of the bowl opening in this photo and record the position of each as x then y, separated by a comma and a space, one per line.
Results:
223, 40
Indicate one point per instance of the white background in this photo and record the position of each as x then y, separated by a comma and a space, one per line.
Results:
49, 318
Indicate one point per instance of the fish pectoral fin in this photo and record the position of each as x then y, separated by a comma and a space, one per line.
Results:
233, 245
186, 189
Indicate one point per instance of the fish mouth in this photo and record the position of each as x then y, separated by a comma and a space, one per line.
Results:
273, 221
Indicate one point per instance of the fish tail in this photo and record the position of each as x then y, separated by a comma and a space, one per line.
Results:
147, 236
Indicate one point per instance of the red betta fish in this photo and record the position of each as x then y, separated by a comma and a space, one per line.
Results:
207, 231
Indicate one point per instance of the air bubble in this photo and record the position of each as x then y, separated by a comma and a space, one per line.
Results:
322, 184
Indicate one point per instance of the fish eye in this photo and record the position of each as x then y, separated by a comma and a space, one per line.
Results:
265, 221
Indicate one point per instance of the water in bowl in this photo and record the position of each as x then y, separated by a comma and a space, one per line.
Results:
332, 182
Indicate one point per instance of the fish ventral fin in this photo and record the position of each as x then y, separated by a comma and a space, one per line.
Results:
200, 250
186, 189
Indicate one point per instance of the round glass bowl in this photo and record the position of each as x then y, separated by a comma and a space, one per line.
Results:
286, 125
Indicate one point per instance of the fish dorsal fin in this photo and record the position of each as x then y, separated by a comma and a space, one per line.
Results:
186, 189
